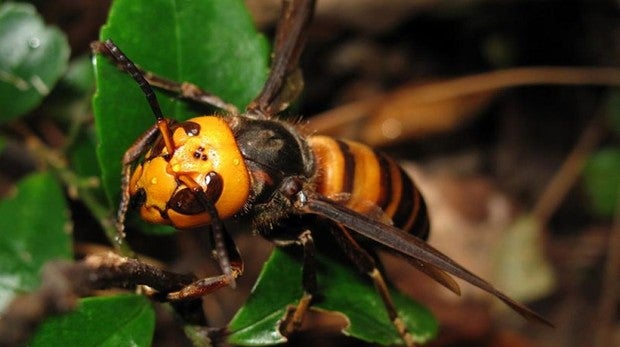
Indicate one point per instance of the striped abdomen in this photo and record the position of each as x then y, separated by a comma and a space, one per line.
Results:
366, 180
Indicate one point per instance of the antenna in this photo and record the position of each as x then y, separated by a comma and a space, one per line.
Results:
110, 49
135, 73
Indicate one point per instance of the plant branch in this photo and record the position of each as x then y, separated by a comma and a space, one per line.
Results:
63, 282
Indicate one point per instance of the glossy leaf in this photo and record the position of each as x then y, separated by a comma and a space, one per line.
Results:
34, 228
123, 320
602, 178
278, 285
341, 289
210, 43
33, 57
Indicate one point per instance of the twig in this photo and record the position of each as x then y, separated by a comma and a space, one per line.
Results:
515, 77
609, 293
473, 84
569, 172
63, 282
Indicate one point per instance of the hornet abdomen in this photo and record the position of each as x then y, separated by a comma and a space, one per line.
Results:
364, 180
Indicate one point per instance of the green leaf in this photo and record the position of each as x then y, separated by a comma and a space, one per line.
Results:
278, 285
123, 320
210, 43
341, 290
34, 228
355, 297
32, 59
602, 180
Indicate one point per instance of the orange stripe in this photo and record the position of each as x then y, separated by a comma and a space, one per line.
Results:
367, 178
329, 163
397, 187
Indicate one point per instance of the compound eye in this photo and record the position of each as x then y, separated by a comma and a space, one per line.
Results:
138, 199
191, 128
215, 186
186, 202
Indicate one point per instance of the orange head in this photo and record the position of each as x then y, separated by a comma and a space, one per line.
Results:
205, 155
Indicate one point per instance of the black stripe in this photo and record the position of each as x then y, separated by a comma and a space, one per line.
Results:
385, 181
406, 203
421, 225
348, 175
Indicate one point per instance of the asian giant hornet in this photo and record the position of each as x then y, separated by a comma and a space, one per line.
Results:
208, 169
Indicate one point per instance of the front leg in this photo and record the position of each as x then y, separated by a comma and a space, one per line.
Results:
183, 90
137, 150
231, 264
225, 250
189, 91
207, 285
226, 253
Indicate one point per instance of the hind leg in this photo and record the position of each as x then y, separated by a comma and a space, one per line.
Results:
366, 263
